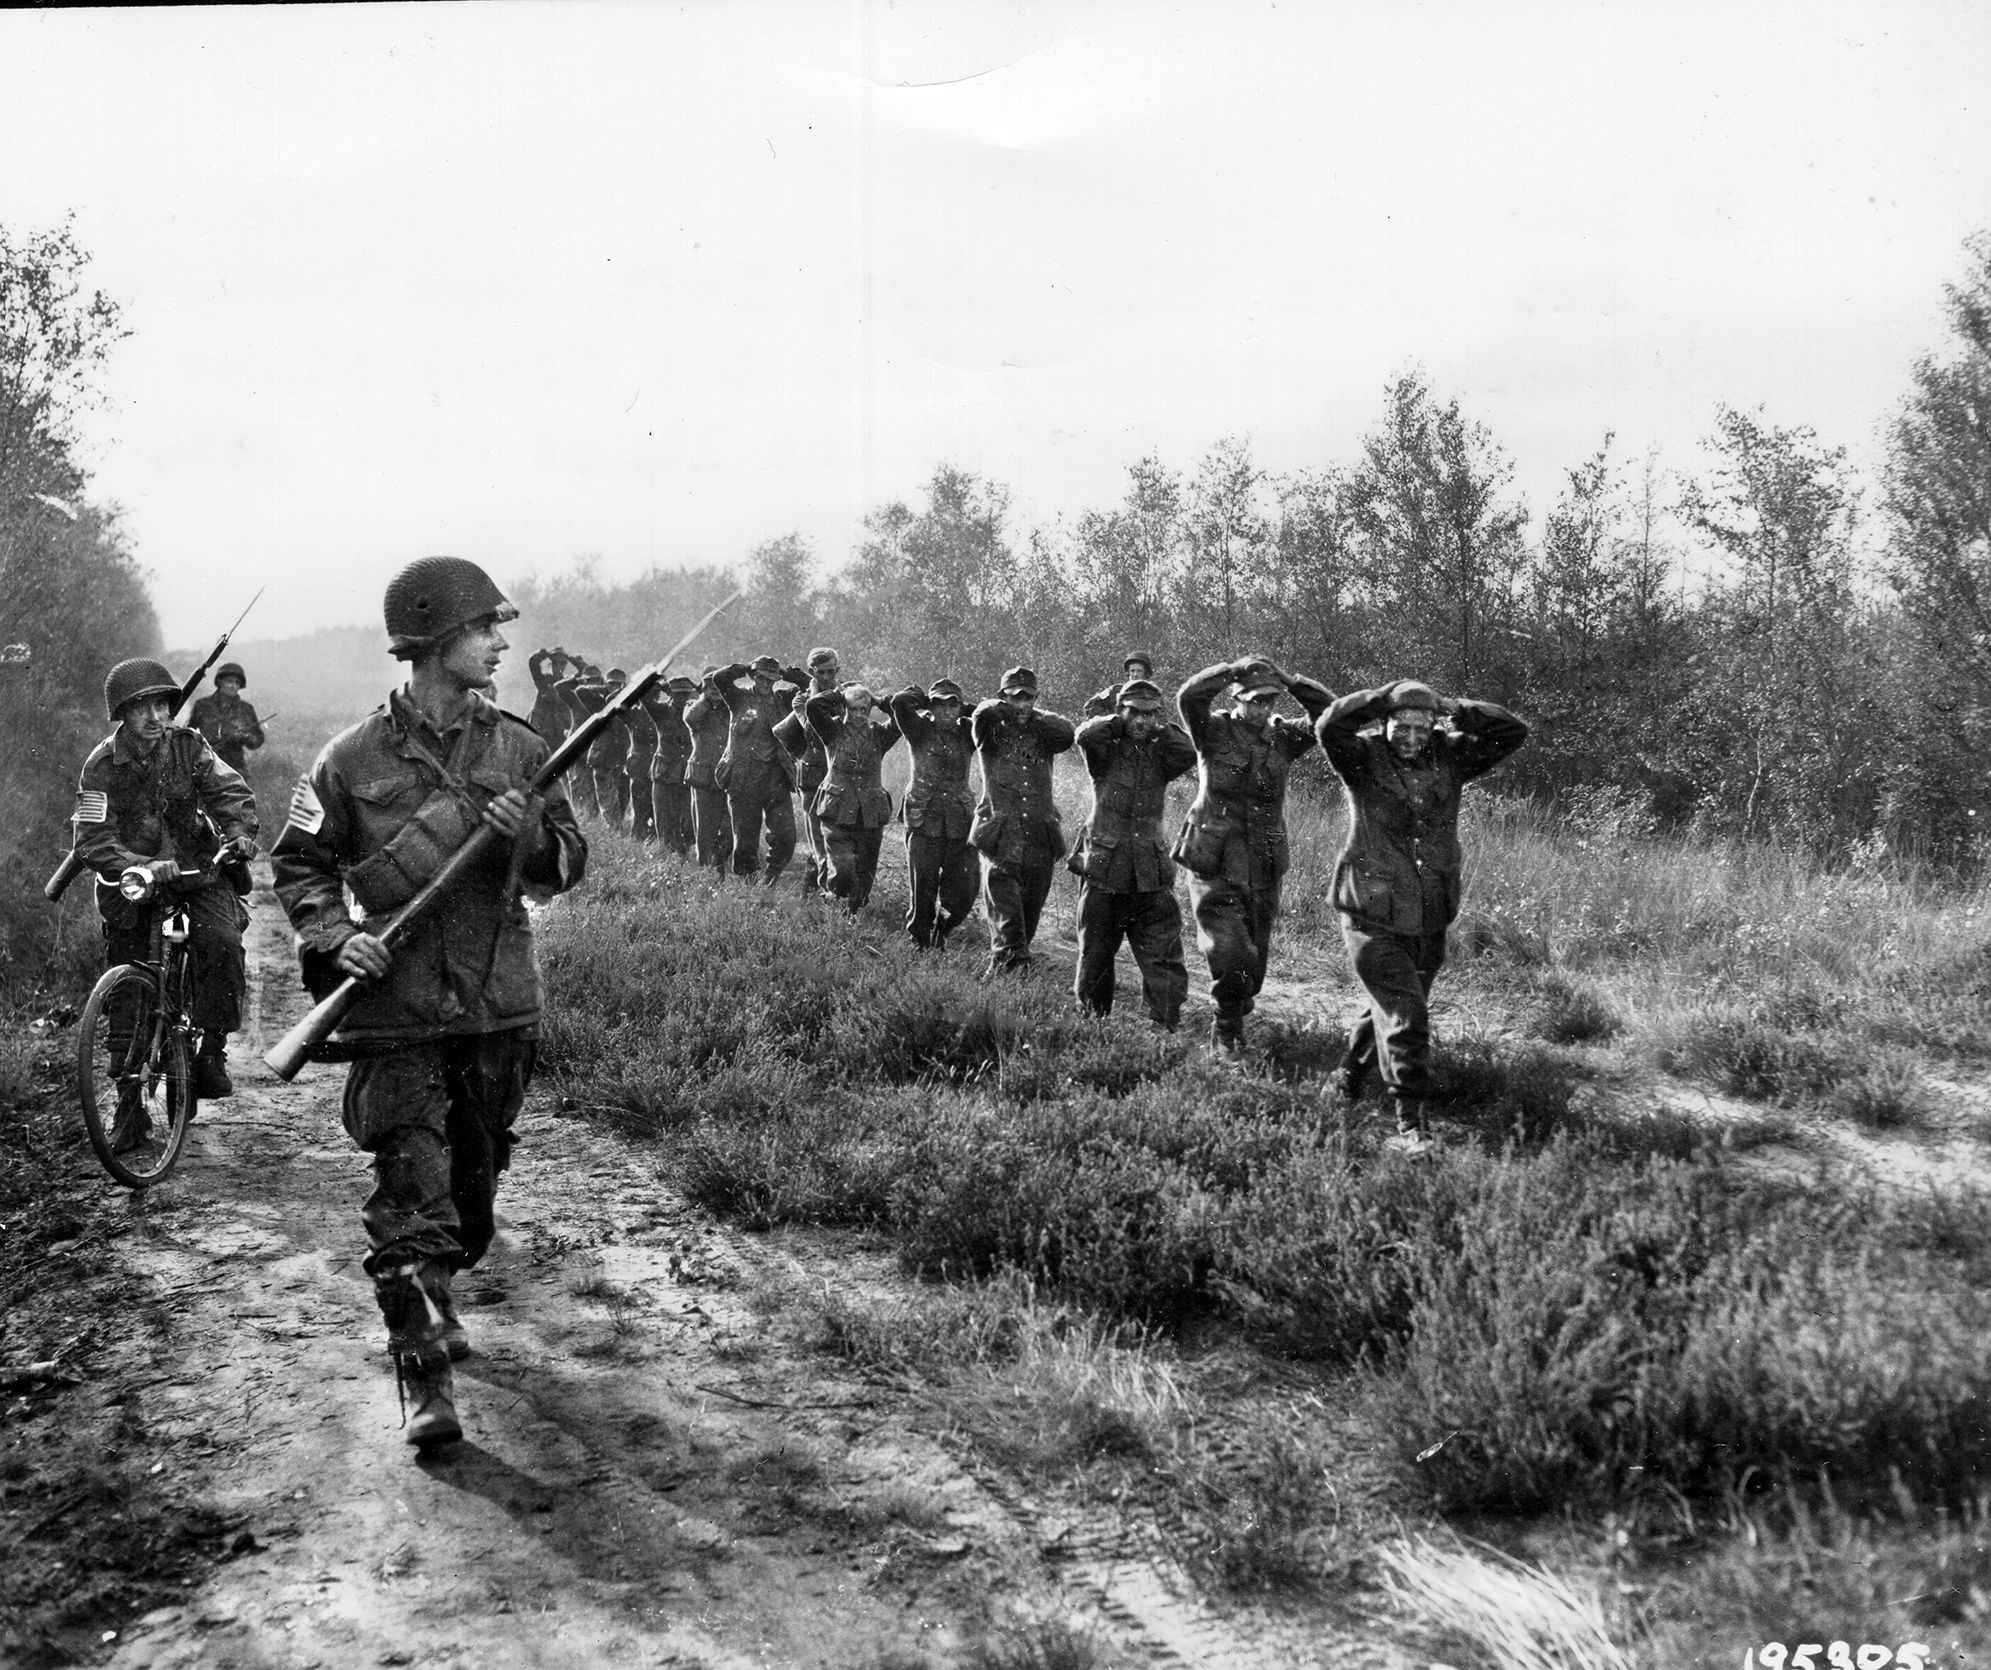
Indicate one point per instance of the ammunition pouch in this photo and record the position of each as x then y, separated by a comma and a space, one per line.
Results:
420, 847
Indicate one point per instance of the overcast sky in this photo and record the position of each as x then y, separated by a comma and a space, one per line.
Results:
657, 281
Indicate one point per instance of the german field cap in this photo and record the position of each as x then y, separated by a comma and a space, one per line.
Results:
1259, 682
617, 675
1140, 692
678, 681
944, 690
1408, 693
822, 656
1019, 681
768, 665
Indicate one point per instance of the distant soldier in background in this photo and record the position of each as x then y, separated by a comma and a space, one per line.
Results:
608, 756
710, 722
824, 666
1233, 842
444, 1037
1396, 883
758, 772
1127, 885
580, 784
852, 804
670, 797
1101, 703
549, 712
943, 870
227, 721
1016, 828
153, 790
642, 733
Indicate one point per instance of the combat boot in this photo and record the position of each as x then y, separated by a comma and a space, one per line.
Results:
1413, 1126
211, 1080
1348, 1080
455, 1337
1227, 1035
417, 1339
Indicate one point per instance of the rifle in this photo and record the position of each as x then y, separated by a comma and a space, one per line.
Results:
72, 866
294, 1048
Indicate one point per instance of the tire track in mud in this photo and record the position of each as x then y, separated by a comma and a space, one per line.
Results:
646, 1478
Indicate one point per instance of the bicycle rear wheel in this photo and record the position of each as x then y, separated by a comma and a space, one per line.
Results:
133, 1077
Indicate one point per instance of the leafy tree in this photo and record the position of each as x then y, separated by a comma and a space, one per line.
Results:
1442, 539
1227, 533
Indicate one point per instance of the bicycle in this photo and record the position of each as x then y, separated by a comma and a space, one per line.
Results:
135, 1047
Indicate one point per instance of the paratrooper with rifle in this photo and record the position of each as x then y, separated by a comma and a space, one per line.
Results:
228, 721
154, 792
443, 1033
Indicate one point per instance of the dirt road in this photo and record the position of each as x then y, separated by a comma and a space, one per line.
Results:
652, 1473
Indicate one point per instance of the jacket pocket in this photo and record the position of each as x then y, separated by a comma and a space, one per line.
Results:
1363, 893
1199, 849
1093, 853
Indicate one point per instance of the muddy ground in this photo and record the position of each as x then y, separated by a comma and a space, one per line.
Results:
203, 1463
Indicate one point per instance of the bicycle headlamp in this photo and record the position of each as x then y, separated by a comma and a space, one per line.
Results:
136, 884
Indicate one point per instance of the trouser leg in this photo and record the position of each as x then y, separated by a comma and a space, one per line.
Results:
672, 804
870, 842
840, 849
126, 940
1224, 922
925, 855
642, 806
1396, 972
1102, 924
397, 1109
581, 790
610, 787
215, 920
778, 816
960, 883
713, 817
745, 812
1154, 930
1037, 876
816, 872
485, 1077
1002, 893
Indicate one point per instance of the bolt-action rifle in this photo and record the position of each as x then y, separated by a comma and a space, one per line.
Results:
294, 1048
71, 865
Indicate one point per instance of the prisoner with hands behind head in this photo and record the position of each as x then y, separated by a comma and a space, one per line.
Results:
641, 730
226, 719
580, 785
549, 713
757, 771
1016, 827
852, 805
670, 796
710, 723
1126, 874
1233, 841
823, 669
1396, 883
943, 870
444, 1037
154, 793
608, 754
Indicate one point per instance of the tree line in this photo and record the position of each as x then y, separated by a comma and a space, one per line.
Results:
1761, 645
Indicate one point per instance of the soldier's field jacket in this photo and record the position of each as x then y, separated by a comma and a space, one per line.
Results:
673, 756
610, 750
938, 802
814, 764
756, 761
469, 965
710, 722
852, 793
230, 725
180, 801
1122, 848
1016, 820
1399, 869
1236, 827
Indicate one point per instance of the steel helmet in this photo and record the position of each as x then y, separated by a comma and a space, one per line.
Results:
231, 669
137, 677
432, 597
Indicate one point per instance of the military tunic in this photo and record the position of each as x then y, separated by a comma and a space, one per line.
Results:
230, 725
670, 797
608, 754
710, 723
943, 869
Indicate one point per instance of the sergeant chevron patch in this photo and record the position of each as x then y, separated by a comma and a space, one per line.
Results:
92, 806
306, 813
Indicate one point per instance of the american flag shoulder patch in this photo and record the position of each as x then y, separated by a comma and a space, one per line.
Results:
92, 806
306, 811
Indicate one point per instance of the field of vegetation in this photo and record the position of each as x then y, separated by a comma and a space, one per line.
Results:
1649, 1318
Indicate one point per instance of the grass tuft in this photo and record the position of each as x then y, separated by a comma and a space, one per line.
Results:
1511, 1615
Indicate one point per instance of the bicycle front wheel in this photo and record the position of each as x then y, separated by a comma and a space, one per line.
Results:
133, 1077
